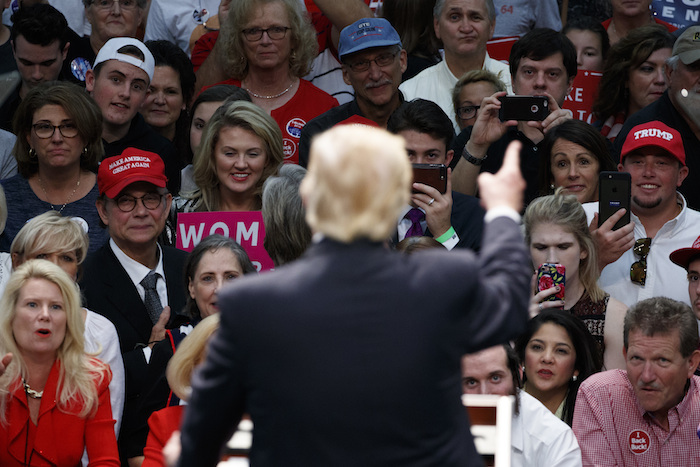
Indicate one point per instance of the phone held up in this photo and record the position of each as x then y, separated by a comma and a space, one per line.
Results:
614, 189
523, 108
434, 175
550, 275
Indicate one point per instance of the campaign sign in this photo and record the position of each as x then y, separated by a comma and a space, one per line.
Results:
499, 49
246, 228
680, 13
583, 92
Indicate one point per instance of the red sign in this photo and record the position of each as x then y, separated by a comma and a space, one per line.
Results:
583, 93
246, 228
499, 49
639, 441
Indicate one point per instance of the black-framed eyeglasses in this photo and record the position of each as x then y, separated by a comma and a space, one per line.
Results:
127, 203
384, 59
108, 4
46, 130
467, 112
275, 33
638, 270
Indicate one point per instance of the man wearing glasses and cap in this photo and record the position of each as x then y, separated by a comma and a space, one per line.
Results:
132, 280
373, 62
634, 259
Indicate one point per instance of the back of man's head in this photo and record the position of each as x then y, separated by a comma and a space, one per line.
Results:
422, 116
359, 178
40, 24
662, 316
541, 43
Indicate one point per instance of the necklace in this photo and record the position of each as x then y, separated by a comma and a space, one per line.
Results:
41, 184
31, 392
274, 96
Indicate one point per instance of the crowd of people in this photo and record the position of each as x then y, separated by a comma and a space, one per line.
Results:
392, 295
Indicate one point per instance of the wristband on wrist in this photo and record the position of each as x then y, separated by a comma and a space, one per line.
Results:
447, 235
472, 159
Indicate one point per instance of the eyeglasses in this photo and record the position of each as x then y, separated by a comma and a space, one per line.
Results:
384, 59
46, 130
638, 270
467, 112
127, 203
275, 33
108, 4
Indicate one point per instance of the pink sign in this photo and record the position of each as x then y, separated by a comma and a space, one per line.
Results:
583, 92
246, 228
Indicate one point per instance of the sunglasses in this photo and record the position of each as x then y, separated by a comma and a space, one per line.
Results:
638, 270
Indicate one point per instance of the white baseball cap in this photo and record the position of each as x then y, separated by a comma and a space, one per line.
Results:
110, 51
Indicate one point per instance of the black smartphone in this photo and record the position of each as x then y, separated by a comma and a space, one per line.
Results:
523, 108
614, 193
434, 175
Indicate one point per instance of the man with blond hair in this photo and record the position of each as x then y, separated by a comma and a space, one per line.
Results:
342, 357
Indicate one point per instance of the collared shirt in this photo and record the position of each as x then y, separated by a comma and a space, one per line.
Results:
405, 224
538, 438
137, 271
664, 278
613, 429
436, 83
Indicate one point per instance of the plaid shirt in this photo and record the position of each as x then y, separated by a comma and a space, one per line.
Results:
614, 430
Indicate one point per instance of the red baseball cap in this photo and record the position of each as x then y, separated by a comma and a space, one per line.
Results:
132, 165
655, 134
683, 256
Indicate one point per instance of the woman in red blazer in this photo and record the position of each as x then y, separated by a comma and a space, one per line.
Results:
54, 399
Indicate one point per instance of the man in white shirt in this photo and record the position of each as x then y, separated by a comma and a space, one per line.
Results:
464, 27
538, 437
634, 259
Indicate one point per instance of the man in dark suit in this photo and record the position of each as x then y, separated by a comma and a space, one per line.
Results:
351, 355
452, 218
134, 205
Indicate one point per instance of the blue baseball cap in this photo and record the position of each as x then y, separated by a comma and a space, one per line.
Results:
367, 33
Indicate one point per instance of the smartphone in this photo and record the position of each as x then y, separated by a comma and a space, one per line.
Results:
523, 108
434, 175
614, 190
550, 275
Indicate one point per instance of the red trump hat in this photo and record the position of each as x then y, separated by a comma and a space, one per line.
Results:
132, 165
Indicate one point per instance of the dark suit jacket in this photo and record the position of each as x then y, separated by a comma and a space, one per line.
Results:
351, 355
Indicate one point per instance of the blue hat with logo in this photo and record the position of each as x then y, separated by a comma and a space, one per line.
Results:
367, 33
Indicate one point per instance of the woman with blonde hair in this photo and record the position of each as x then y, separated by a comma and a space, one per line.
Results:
164, 422
556, 231
62, 240
54, 398
240, 148
269, 46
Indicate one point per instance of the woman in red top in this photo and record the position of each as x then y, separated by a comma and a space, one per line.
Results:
270, 45
54, 399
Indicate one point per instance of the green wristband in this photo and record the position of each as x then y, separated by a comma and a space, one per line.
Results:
447, 235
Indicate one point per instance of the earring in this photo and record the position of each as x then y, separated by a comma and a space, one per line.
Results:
293, 55
85, 152
574, 378
551, 187
32, 153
